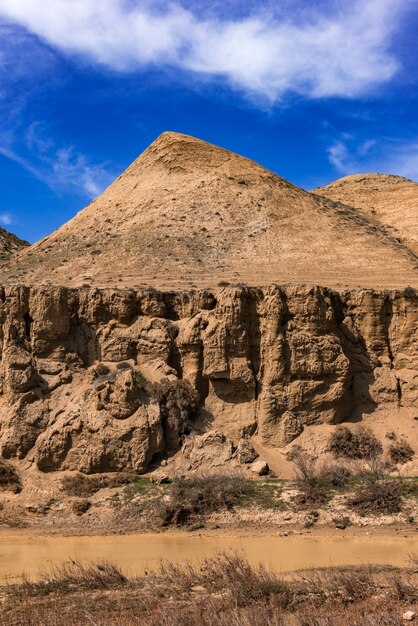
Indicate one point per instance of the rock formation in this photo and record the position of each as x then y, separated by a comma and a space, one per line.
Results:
181, 341
79, 368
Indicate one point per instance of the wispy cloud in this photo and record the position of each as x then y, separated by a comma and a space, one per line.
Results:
62, 169
332, 51
386, 156
6, 219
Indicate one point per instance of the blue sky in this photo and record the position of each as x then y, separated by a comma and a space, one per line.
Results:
313, 90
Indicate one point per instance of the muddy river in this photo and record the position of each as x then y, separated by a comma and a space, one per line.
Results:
137, 553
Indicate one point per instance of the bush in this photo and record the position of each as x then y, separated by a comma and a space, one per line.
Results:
140, 380
82, 486
193, 498
377, 493
317, 483
336, 474
79, 507
9, 478
400, 452
178, 405
354, 444
101, 369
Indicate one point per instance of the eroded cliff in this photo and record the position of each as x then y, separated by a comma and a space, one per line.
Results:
90, 378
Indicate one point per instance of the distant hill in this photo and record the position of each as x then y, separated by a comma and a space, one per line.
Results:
10, 244
189, 214
391, 201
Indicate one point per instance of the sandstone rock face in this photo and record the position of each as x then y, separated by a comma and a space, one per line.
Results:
76, 366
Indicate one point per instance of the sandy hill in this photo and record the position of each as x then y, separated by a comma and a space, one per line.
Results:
10, 244
391, 201
190, 214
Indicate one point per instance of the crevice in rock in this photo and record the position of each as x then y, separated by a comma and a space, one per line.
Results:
398, 390
338, 307
387, 315
174, 358
28, 326
254, 339
202, 382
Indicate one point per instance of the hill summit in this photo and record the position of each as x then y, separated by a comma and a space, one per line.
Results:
189, 214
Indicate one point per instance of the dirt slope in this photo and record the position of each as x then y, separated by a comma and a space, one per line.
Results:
189, 214
9, 244
391, 201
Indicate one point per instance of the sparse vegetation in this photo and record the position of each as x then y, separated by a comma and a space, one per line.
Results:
101, 369
224, 591
79, 507
189, 500
9, 478
140, 380
400, 452
376, 492
360, 443
317, 482
178, 405
82, 486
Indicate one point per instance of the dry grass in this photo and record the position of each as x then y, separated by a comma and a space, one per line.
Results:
82, 486
223, 591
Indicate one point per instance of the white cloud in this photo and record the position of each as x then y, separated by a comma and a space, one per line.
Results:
6, 219
62, 169
385, 157
343, 52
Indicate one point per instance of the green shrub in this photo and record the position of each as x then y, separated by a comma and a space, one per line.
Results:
140, 380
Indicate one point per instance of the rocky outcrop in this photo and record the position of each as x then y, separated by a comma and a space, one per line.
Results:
80, 368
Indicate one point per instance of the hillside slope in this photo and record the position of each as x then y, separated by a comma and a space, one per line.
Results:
187, 214
391, 201
10, 244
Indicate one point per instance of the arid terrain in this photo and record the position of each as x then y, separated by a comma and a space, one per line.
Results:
187, 215
388, 201
10, 244
207, 346
223, 591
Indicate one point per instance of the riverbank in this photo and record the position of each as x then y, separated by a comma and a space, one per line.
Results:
224, 590
71, 505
